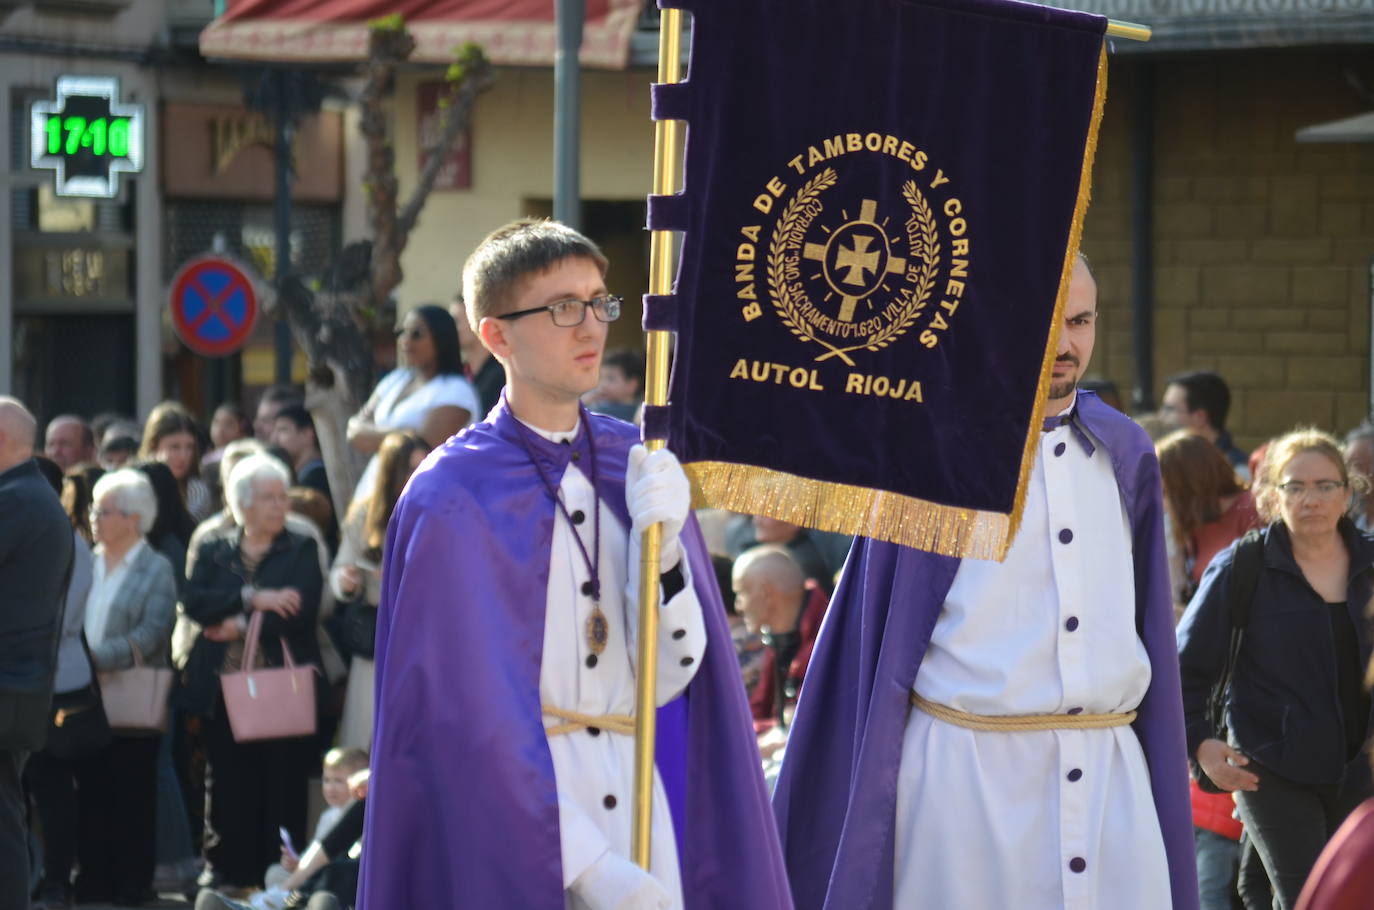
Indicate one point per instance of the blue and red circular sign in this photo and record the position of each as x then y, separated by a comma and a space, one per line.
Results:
214, 305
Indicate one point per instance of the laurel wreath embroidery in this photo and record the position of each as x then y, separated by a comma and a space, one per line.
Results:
791, 214
926, 247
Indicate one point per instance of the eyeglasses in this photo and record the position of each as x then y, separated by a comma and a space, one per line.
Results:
101, 513
1322, 489
571, 312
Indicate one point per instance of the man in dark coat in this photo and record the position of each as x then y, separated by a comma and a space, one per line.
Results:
35, 562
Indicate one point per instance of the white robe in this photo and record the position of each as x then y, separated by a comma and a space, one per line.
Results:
994, 819
589, 769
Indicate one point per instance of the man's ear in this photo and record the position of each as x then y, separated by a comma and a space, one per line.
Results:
768, 595
492, 332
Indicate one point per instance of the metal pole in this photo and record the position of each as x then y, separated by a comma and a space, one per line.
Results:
282, 263
1128, 30
567, 115
1142, 240
666, 134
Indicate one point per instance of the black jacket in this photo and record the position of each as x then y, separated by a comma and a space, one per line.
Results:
214, 593
488, 381
35, 565
1285, 709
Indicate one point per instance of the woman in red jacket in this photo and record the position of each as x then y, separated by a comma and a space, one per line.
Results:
1207, 502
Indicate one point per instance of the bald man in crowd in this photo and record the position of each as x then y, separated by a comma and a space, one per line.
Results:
69, 441
35, 564
777, 603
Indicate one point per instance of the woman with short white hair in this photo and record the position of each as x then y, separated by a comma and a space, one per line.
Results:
255, 787
129, 614
254, 476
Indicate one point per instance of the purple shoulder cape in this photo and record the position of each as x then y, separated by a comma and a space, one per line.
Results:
462, 807
838, 786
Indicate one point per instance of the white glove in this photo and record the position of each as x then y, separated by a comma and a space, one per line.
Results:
615, 883
656, 490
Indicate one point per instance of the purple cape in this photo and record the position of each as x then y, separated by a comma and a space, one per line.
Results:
462, 807
838, 786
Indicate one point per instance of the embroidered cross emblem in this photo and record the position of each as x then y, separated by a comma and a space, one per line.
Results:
857, 260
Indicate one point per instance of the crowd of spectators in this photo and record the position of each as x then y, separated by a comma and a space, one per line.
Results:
180, 533
177, 534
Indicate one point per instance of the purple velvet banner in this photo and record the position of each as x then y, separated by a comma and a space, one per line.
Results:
881, 200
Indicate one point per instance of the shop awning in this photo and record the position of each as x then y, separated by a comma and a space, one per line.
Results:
511, 32
1206, 25
1359, 128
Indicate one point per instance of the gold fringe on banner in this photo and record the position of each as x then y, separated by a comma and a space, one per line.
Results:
883, 515
1080, 211
849, 509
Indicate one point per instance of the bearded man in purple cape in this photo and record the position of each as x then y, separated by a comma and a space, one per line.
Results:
974, 734
503, 753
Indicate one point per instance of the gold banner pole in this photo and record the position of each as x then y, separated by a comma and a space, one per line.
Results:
1129, 30
666, 134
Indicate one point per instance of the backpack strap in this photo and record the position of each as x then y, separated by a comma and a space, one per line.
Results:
1246, 568
1247, 563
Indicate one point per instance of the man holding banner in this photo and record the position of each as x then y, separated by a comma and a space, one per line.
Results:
879, 303
1024, 677
502, 761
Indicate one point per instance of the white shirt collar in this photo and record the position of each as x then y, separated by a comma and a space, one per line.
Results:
1068, 409
124, 563
559, 436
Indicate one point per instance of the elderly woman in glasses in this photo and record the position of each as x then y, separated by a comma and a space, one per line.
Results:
427, 393
1297, 715
129, 613
255, 788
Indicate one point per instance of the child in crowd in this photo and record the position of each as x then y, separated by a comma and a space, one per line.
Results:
326, 875
339, 766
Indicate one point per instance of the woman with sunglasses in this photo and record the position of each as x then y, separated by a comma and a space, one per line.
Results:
1297, 715
426, 394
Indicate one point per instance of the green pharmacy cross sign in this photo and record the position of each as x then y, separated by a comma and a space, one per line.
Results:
86, 136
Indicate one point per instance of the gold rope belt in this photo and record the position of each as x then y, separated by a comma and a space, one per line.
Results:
1018, 723
572, 721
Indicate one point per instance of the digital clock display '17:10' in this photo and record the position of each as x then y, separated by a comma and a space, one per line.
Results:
86, 136
101, 136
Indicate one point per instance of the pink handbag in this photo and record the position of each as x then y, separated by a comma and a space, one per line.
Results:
136, 699
269, 702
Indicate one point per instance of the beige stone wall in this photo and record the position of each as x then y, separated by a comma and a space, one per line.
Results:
512, 176
1262, 245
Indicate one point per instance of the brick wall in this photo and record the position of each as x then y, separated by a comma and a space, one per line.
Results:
1262, 246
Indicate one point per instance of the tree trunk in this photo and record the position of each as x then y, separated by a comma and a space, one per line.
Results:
328, 324
340, 377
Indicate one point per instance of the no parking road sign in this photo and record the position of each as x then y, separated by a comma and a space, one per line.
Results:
214, 305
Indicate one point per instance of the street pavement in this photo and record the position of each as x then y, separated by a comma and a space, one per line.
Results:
168, 901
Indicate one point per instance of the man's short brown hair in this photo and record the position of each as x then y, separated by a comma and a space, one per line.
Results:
509, 254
